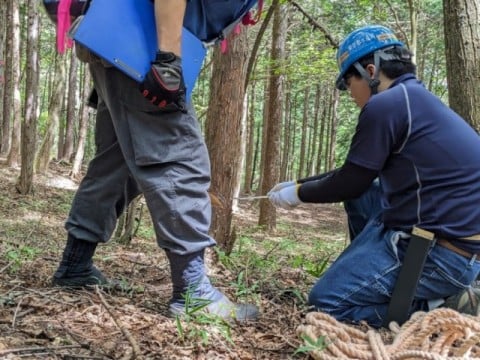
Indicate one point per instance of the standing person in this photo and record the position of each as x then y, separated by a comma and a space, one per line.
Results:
427, 161
152, 146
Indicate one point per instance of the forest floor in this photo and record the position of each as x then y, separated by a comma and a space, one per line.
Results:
273, 270
38, 321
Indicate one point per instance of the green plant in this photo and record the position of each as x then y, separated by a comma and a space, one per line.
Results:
127, 289
17, 256
314, 267
242, 288
196, 325
311, 345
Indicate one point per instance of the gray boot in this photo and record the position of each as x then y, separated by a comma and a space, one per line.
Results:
192, 291
76, 268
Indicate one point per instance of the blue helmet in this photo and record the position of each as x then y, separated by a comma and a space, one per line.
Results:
360, 43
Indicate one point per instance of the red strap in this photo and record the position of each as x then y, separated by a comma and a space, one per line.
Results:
248, 19
63, 25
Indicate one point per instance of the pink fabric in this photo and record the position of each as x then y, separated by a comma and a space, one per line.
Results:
63, 25
248, 19
223, 46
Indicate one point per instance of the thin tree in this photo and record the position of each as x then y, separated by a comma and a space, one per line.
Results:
3, 25
250, 144
44, 154
29, 125
304, 135
68, 143
12, 118
271, 168
83, 127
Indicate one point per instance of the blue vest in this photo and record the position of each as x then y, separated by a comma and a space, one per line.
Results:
211, 20
208, 20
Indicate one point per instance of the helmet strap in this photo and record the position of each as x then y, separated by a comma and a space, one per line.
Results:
372, 83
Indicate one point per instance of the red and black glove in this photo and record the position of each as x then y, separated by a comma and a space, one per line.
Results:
163, 85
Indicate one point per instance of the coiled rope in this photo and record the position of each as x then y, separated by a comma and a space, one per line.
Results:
436, 335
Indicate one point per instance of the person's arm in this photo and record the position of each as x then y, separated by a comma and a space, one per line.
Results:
345, 183
169, 21
316, 177
164, 86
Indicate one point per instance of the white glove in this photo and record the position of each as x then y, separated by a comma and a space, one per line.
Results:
286, 198
281, 185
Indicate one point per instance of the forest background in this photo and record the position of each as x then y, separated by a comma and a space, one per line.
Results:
267, 105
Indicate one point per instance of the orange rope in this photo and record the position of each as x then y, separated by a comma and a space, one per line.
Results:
436, 335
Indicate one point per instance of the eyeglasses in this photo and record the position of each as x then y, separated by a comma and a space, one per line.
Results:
343, 83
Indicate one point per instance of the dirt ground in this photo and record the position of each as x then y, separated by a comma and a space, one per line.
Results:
38, 321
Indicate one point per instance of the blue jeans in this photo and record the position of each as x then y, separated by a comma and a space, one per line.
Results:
359, 284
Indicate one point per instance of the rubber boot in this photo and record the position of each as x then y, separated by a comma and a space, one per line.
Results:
76, 268
192, 291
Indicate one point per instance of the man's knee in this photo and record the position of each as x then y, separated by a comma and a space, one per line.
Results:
322, 298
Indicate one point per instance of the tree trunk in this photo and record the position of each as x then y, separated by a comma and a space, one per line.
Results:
3, 34
250, 146
413, 13
462, 46
83, 127
29, 125
315, 137
321, 137
68, 144
286, 136
304, 135
12, 95
263, 136
333, 130
271, 169
54, 113
223, 131
243, 145
132, 216
7, 79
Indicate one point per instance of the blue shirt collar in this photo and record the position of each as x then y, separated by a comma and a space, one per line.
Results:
403, 78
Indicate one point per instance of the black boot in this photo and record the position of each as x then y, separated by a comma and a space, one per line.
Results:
192, 290
76, 268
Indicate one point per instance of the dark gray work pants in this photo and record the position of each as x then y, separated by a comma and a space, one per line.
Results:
141, 149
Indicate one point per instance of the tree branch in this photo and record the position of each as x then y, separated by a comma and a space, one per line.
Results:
315, 24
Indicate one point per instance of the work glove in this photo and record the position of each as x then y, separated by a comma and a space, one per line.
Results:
163, 85
285, 198
282, 185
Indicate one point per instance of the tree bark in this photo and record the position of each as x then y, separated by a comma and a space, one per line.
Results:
29, 125
11, 131
462, 46
304, 135
68, 144
271, 169
223, 131
3, 33
250, 146
83, 127
44, 154
7, 79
